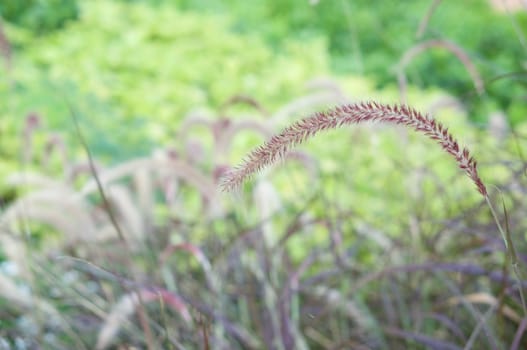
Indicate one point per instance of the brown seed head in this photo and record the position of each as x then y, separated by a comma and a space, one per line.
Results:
276, 147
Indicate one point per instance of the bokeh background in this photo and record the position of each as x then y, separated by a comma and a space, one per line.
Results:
118, 119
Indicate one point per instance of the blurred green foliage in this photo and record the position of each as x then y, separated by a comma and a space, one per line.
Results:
362, 37
369, 38
132, 70
158, 64
39, 16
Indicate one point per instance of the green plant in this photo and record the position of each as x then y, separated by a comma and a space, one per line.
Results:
39, 16
164, 66
364, 38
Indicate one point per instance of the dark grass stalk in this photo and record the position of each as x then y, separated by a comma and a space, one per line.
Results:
54, 279
141, 310
237, 331
449, 324
483, 319
55, 144
387, 306
520, 332
98, 272
93, 170
475, 313
164, 297
471, 270
243, 99
210, 277
511, 251
429, 342
33, 121
143, 320
204, 333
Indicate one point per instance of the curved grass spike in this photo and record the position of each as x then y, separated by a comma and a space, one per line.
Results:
276, 147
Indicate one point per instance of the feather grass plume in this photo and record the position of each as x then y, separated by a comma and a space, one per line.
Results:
276, 147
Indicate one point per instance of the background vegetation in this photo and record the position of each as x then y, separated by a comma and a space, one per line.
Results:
118, 119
